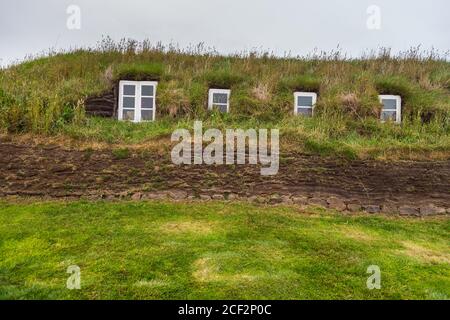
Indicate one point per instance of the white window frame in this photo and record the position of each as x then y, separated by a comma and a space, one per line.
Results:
313, 95
398, 108
221, 91
137, 99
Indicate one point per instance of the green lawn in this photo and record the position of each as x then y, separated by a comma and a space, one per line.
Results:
162, 250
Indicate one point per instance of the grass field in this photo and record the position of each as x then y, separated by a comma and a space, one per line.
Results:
163, 250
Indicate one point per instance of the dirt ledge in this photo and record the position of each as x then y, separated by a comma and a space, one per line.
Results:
408, 187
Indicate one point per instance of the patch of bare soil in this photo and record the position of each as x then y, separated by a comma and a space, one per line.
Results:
52, 171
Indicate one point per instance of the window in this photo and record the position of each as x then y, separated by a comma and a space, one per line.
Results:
304, 103
137, 100
392, 108
220, 99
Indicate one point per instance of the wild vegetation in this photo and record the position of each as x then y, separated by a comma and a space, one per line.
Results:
45, 96
161, 250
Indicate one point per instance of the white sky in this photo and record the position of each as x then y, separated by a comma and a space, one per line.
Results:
296, 26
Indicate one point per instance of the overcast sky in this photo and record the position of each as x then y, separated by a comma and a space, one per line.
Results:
296, 26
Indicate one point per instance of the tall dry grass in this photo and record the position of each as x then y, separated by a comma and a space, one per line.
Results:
44, 95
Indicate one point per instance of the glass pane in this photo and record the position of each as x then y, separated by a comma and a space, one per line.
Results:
147, 91
128, 102
220, 98
388, 115
147, 102
128, 115
389, 104
129, 90
220, 107
306, 112
305, 101
146, 115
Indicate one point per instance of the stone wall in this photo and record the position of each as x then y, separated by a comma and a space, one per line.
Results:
102, 105
334, 203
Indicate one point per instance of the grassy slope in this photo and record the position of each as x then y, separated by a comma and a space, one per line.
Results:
157, 250
44, 96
